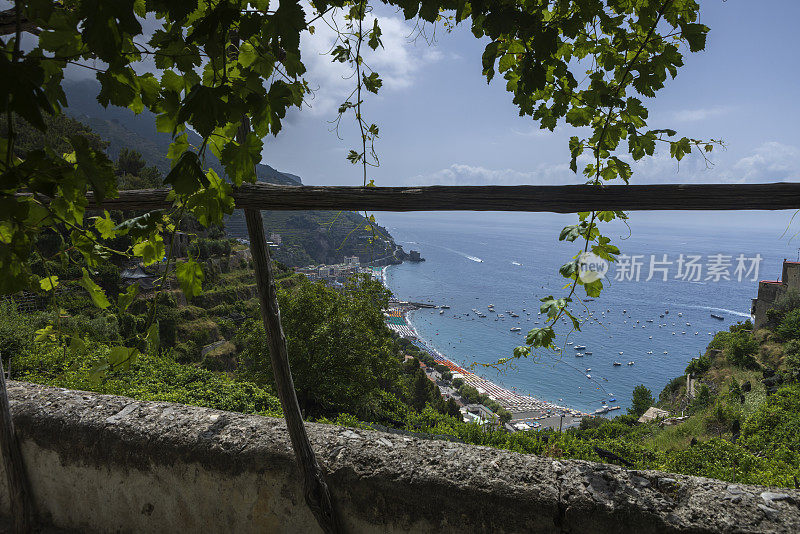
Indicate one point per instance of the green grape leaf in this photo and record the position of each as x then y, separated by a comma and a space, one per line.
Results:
96, 293
126, 298
49, 283
190, 277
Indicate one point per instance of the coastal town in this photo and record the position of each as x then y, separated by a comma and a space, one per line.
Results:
526, 412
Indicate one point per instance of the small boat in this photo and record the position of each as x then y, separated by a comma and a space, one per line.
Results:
441, 312
666, 312
588, 300
588, 369
630, 363
516, 329
569, 342
579, 355
620, 352
588, 353
588, 376
617, 364
651, 337
579, 347
500, 315
680, 314
649, 320
445, 307
715, 316
665, 352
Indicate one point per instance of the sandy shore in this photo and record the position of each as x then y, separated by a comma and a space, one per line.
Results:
523, 408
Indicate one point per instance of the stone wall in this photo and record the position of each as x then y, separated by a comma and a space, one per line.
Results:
790, 274
768, 293
101, 463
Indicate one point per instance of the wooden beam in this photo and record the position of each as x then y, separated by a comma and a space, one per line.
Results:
19, 494
315, 489
8, 23
533, 198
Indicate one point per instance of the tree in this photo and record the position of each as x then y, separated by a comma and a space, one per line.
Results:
235, 66
721, 418
789, 327
504, 415
453, 409
642, 400
741, 347
340, 350
420, 390
130, 162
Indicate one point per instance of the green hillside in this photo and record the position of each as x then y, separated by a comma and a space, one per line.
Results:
121, 128
308, 237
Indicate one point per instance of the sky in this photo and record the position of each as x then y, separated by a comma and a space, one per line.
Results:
441, 123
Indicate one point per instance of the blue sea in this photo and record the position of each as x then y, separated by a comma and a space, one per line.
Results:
473, 260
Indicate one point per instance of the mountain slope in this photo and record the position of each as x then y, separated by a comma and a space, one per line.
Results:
307, 237
122, 129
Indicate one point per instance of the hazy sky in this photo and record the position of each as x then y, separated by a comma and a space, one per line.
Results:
442, 124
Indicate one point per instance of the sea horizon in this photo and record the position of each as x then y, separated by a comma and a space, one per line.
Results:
512, 266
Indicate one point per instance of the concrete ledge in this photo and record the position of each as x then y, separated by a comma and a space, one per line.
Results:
100, 463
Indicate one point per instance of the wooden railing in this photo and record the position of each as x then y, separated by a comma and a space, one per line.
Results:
542, 198
559, 199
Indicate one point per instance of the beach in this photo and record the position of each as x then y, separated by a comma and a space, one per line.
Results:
527, 412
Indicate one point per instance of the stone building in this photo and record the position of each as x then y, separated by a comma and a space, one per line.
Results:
771, 290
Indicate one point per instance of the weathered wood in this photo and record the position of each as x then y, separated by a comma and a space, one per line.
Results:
315, 488
16, 479
543, 198
8, 23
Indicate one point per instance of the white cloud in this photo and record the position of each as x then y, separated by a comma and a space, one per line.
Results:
695, 115
535, 131
770, 162
460, 174
397, 63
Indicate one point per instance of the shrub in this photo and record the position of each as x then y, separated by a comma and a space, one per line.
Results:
16, 330
701, 401
792, 352
789, 327
784, 304
698, 366
642, 400
740, 349
721, 418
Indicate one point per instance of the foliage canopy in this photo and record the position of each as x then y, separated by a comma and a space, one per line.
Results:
230, 69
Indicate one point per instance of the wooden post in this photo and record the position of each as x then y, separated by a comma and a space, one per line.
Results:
315, 489
18, 491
